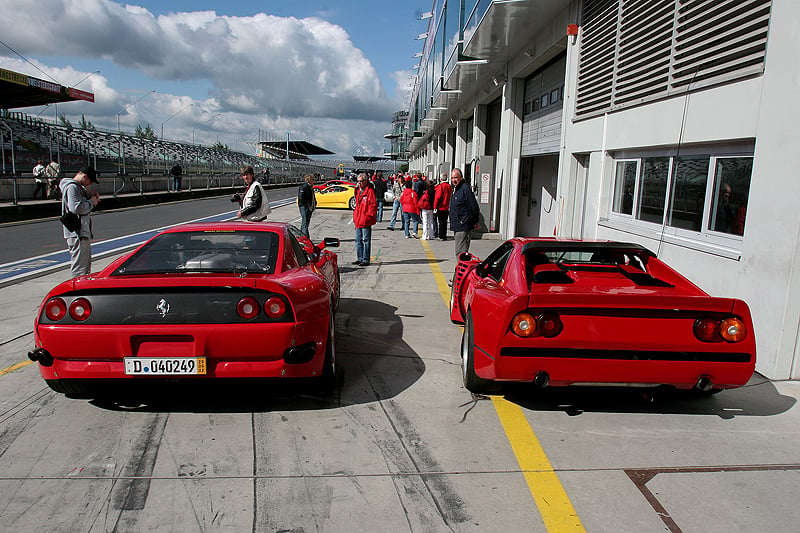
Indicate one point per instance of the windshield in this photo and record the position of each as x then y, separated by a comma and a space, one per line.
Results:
235, 252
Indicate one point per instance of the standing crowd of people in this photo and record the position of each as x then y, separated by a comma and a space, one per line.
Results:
416, 201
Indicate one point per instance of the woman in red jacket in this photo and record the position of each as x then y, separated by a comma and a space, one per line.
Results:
410, 205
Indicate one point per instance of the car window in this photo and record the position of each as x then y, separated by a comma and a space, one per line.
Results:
495, 264
299, 251
204, 251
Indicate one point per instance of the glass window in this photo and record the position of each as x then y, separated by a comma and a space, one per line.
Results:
653, 189
689, 181
624, 186
731, 189
545, 100
495, 264
554, 96
536, 104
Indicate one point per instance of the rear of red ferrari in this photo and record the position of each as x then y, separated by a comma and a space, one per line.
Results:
190, 327
599, 330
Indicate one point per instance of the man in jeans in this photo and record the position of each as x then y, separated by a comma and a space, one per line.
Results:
380, 190
364, 217
397, 190
306, 202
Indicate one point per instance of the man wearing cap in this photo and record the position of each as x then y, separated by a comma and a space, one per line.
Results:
78, 197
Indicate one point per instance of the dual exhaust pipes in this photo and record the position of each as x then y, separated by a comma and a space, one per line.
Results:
42, 356
542, 380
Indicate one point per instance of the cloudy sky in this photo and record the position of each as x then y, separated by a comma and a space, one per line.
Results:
331, 72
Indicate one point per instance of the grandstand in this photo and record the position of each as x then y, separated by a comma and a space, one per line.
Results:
135, 163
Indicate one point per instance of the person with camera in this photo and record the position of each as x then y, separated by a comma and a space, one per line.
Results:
254, 204
78, 198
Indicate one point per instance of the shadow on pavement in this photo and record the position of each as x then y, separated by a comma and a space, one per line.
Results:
758, 397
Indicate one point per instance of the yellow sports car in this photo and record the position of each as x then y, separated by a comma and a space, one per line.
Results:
337, 196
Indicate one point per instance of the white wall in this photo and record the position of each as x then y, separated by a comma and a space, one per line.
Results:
765, 108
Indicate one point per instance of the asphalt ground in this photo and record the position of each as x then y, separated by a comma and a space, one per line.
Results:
401, 446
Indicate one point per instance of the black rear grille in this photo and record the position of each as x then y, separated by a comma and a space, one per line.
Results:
627, 355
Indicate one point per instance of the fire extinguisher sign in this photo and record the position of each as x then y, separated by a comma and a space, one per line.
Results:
485, 179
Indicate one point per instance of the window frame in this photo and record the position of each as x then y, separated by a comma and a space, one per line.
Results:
705, 237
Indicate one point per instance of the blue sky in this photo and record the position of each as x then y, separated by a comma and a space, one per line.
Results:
328, 72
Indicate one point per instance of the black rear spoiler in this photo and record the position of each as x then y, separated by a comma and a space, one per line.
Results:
587, 246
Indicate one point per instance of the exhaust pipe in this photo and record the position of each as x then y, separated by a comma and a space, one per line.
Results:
42, 356
541, 379
300, 354
704, 384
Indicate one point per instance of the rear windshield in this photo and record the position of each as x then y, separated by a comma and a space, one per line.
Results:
205, 251
588, 258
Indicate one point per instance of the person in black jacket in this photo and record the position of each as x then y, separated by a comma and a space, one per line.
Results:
380, 191
306, 202
464, 212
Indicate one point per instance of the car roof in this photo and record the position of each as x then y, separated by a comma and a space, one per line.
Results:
276, 227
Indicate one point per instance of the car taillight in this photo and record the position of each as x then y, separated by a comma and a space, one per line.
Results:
55, 309
732, 329
247, 307
275, 307
706, 329
523, 324
80, 309
549, 325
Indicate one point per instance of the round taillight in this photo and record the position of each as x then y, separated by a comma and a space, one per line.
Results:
706, 329
275, 307
80, 309
55, 309
549, 325
247, 307
732, 329
523, 324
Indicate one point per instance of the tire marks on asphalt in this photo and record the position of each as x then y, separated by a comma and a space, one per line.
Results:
130, 493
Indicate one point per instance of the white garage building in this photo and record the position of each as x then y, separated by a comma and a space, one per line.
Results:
670, 123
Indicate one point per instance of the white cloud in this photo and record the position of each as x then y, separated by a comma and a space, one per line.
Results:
278, 66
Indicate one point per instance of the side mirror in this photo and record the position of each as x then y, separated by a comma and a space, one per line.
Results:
330, 242
313, 257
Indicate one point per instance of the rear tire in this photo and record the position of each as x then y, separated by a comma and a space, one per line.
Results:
327, 381
472, 382
352, 203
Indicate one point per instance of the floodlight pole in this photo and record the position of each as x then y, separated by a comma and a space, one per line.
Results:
119, 131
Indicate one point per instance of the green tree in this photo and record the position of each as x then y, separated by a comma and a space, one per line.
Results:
219, 146
145, 133
65, 121
85, 124
403, 168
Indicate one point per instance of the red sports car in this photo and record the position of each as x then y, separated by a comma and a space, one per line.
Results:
558, 312
211, 300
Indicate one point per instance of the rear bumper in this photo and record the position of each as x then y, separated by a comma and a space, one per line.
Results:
576, 370
231, 351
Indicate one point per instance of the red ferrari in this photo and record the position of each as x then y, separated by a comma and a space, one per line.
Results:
212, 300
559, 312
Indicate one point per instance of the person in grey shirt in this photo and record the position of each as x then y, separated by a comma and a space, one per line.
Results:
78, 197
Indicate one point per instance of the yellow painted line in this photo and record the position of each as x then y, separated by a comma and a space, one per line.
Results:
551, 499
15, 367
548, 493
441, 282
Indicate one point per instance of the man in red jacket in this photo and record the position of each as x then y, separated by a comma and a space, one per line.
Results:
364, 217
441, 206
